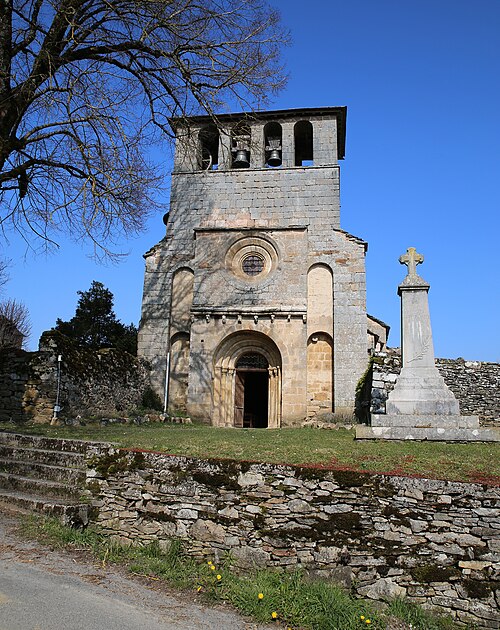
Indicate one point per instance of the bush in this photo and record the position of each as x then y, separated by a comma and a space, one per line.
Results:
151, 400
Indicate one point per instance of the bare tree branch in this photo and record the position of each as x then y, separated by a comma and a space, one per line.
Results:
88, 86
4, 276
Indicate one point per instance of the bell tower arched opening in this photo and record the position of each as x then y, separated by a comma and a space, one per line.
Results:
247, 382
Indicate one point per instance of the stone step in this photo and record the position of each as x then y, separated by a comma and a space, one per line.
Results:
51, 472
47, 443
40, 487
75, 514
430, 434
42, 456
434, 421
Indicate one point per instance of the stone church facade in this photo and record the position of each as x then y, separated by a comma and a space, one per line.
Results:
254, 309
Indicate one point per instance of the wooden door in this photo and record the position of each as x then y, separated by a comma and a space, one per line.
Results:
239, 398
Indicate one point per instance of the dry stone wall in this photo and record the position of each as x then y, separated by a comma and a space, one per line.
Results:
434, 542
16, 370
476, 384
92, 382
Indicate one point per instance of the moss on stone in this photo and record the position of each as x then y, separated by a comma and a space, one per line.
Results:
477, 589
346, 521
215, 480
309, 473
350, 478
336, 528
433, 573
112, 463
94, 487
259, 521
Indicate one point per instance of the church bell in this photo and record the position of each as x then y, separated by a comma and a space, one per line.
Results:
274, 158
241, 159
273, 151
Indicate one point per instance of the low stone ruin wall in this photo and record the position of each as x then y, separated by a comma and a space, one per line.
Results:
16, 371
92, 382
476, 384
435, 542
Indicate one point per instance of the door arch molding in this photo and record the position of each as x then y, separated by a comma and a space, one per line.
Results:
226, 356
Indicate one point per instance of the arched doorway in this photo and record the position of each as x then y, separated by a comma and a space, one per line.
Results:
247, 381
251, 391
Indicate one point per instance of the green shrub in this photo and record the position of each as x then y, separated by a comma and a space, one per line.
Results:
151, 400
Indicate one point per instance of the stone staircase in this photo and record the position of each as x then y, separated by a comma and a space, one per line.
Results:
47, 475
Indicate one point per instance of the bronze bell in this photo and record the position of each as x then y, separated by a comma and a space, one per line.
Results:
241, 159
274, 158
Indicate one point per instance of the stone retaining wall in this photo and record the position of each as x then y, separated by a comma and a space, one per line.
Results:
435, 542
92, 382
476, 384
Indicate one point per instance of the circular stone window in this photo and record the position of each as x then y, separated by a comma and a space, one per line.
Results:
251, 258
253, 264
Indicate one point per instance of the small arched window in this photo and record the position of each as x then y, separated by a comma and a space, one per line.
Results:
208, 148
303, 137
273, 144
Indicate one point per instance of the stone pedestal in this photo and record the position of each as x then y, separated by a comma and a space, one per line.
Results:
421, 406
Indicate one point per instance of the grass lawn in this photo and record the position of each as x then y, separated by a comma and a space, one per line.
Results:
478, 462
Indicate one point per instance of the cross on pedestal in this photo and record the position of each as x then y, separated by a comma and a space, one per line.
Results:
411, 259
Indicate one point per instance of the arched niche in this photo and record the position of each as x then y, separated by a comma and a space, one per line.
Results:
230, 374
179, 372
303, 143
319, 373
182, 299
320, 298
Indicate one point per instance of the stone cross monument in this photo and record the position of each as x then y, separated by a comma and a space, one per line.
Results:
421, 406
411, 259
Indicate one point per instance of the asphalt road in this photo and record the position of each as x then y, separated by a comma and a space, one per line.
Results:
41, 589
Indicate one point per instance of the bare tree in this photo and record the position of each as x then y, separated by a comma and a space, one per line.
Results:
15, 325
87, 86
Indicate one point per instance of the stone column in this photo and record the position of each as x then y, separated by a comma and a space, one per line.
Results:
274, 393
287, 144
257, 146
229, 398
225, 157
217, 398
278, 397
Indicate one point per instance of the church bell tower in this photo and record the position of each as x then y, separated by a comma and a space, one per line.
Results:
254, 309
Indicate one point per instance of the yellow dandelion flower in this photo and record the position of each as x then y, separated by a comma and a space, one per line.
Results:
274, 615
219, 577
362, 617
209, 562
212, 567
260, 595
368, 621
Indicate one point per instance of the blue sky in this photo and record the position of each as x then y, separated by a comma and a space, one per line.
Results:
421, 81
